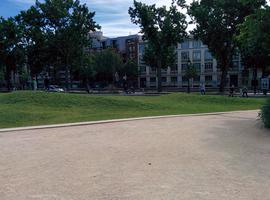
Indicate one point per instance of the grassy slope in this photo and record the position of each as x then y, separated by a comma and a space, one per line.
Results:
39, 108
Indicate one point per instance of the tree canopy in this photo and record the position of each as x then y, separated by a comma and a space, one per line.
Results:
162, 29
216, 25
254, 39
11, 47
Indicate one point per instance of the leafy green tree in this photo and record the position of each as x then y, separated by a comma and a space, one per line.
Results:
254, 40
11, 48
67, 23
130, 68
87, 70
162, 29
35, 40
107, 63
23, 77
216, 25
2, 74
191, 73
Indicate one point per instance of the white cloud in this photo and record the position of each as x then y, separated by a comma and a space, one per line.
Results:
109, 12
112, 15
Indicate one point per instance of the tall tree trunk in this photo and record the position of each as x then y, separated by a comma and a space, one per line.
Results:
188, 89
66, 78
255, 74
224, 72
87, 85
67, 81
8, 77
159, 81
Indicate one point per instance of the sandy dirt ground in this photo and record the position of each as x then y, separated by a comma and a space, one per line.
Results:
218, 157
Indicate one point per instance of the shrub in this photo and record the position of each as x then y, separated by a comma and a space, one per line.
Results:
265, 114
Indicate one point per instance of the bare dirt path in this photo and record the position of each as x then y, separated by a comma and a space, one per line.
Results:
204, 157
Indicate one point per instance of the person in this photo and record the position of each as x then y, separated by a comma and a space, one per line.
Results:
116, 76
202, 88
46, 83
231, 91
34, 83
244, 92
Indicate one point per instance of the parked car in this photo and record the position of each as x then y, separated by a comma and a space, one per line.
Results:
55, 88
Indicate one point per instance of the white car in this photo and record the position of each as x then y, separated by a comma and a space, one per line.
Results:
55, 88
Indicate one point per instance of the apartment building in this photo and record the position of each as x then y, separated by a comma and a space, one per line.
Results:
195, 52
126, 46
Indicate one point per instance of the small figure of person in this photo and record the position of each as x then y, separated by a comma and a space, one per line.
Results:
202, 88
244, 92
231, 91
116, 76
34, 83
46, 83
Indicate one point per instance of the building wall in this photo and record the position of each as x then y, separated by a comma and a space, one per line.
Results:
208, 70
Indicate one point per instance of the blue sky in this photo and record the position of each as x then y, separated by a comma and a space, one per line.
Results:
112, 15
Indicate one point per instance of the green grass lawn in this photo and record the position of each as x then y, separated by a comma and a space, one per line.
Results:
39, 108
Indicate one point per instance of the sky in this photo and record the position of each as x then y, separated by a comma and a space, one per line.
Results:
112, 15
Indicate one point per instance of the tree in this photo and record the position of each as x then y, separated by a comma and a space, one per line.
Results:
190, 73
254, 40
11, 48
107, 63
35, 40
162, 29
67, 23
87, 71
216, 25
130, 68
2, 74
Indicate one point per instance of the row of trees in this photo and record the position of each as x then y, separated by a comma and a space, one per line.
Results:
53, 34
226, 26
106, 65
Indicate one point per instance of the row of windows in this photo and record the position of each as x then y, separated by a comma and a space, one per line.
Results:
174, 79
196, 55
195, 44
208, 67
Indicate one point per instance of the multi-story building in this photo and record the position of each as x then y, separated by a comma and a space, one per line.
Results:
126, 46
195, 52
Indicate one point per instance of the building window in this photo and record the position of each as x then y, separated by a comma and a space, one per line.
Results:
208, 67
197, 79
153, 69
196, 44
235, 65
141, 49
164, 71
184, 79
184, 67
197, 67
174, 79
236, 56
185, 56
174, 68
208, 79
197, 55
208, 55
142, 69
185, 45
114, 43
103, 45
153, 79
164, 79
